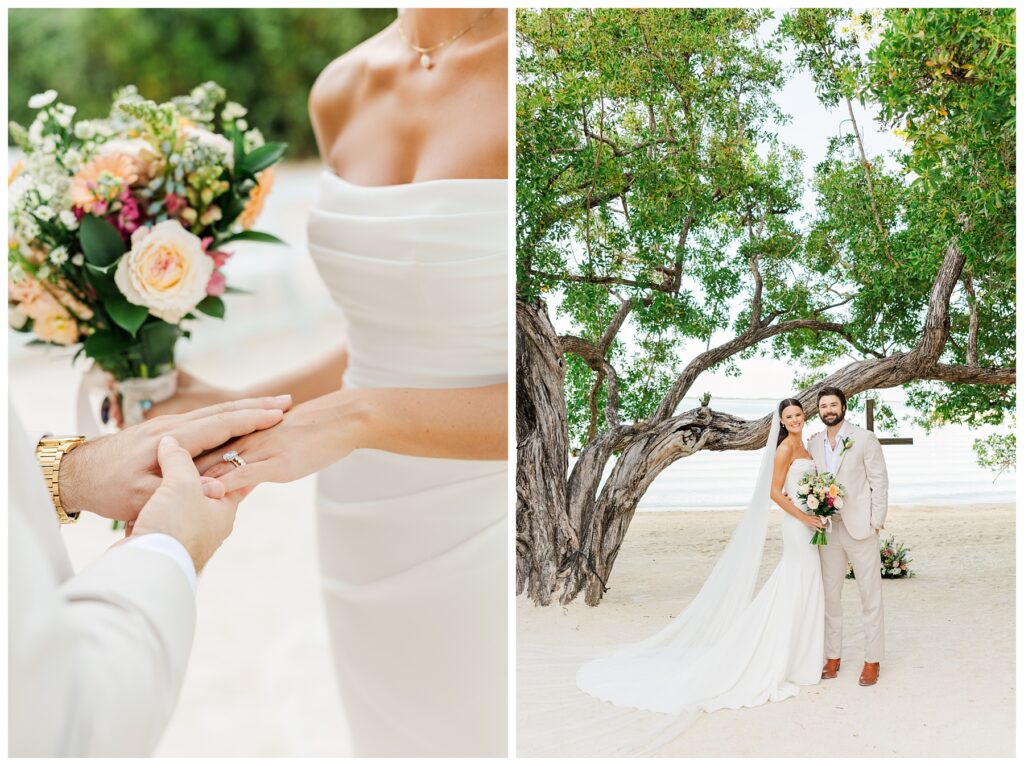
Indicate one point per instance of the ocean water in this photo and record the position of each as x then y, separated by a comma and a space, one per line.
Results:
938, 468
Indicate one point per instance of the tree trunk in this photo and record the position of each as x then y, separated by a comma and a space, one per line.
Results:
543, 534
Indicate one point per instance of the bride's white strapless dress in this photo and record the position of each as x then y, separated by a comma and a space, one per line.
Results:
413, 550
774, 646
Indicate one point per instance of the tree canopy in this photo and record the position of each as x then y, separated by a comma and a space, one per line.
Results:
656, 206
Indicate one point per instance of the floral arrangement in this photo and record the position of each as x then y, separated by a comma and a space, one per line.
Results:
822, 496
895, 560
118, 227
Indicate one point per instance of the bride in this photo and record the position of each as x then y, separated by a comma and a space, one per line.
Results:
727, 649
407, 422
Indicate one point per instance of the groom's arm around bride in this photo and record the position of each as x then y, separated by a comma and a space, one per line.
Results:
96, 659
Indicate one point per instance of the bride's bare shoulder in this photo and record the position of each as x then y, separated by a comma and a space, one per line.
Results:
342, 82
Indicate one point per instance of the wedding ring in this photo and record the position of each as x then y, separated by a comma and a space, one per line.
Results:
234, 458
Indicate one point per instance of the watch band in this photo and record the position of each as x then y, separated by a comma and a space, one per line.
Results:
49, 452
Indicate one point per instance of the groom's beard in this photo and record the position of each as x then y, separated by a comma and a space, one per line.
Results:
831, 420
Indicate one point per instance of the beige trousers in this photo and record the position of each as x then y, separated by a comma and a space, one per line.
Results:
867, 567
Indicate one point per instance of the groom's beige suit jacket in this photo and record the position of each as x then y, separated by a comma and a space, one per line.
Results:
861, 471
95, 659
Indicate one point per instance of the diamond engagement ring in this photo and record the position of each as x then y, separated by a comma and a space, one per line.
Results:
234, 458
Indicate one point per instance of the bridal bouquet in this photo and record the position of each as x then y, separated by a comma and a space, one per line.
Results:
118, 229
822, 496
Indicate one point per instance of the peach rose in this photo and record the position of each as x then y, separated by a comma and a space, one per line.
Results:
257, 198
166, 271
833, 490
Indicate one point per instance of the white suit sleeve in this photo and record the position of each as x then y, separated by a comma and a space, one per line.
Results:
878, 480
166, 545
95, 663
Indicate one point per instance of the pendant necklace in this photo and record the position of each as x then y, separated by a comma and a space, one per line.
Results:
425, 60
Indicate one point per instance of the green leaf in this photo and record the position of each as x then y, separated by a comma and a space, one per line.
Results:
158, 339
126, 315
102, 280
237, 291
101, 243
238, 142
261, 158
104, 343
212, 305
252, 236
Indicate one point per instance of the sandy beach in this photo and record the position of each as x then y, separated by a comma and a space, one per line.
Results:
947, 687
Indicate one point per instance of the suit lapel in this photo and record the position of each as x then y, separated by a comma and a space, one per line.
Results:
841, 448
817, 448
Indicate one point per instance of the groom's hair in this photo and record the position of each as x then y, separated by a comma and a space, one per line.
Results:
833, 391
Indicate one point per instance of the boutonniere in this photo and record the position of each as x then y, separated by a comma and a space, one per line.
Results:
847, 444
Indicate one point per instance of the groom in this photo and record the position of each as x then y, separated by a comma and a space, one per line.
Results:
854, 457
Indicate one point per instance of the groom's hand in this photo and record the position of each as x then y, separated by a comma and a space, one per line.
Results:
114, 476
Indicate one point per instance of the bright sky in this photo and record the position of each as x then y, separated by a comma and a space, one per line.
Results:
810, 127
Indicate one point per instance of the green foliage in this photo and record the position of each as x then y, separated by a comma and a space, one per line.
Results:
997, 452
647, 171
266, 58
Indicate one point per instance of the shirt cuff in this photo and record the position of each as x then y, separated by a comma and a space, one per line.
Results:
168, 546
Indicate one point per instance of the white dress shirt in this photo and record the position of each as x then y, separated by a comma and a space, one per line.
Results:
832, 455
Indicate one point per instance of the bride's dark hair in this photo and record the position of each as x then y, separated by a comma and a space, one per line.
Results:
783, 433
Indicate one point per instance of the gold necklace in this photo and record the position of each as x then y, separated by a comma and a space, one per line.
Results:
425, 60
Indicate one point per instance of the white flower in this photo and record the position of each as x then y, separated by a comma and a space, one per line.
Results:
16, 318
39, 100
43, 271
59, 256
78, 259
44, 212
132, 147
166, 271
253, 139
45, 191
812, 502
68, 219
838, 502
214, 140
242, 124
63, 115
804, 489
232, 111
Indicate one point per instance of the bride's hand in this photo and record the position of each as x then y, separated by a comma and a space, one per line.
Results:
192, 394
814, 522
311, 437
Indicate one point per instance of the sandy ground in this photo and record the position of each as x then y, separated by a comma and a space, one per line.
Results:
947, 687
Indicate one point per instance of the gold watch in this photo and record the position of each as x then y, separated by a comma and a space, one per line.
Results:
49, 452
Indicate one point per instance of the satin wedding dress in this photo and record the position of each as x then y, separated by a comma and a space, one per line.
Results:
413, 550
727, 649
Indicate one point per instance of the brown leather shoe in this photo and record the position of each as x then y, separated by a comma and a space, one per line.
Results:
831, 669
869, 676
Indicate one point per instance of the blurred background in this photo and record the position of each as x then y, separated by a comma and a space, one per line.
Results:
260, 682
